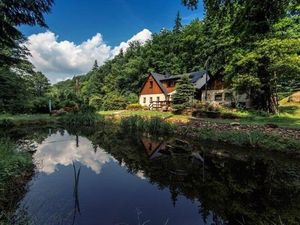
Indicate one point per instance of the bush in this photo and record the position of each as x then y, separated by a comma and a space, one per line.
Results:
84, 117
6, 123
114, 101
134, 107
12, 162
95, 101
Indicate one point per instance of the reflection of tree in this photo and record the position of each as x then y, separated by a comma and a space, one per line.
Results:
243, 187
76, 193
234, 185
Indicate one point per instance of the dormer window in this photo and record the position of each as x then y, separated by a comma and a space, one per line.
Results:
151, 84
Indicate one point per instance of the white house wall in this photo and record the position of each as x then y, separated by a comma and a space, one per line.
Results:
154, 97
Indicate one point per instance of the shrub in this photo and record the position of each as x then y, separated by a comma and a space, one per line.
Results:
114, 101
95, 101
84, 117
6, 123
134, 106
12, 162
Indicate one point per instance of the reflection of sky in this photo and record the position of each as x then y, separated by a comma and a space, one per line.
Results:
61, 150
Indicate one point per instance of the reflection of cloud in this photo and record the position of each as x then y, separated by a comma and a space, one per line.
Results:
141, 174
62, 150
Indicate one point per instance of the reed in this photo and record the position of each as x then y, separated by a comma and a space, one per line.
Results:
153, 125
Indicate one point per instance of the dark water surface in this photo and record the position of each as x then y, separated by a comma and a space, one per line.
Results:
90, 177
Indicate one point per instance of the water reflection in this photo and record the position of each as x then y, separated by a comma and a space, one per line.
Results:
64, 149
105, 177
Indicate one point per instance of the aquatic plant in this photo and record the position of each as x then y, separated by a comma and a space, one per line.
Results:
81, 118
15, 169
153, 125
255, 139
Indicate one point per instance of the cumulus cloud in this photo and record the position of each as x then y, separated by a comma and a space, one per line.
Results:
62, 59
62, 150
141, 37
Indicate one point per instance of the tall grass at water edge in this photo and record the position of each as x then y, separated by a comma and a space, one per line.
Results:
153, 125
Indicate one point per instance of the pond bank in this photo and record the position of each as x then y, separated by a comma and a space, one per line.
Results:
268, 136
16, 168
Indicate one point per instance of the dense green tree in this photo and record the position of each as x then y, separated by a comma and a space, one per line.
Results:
14, 13
38, 83
184, 94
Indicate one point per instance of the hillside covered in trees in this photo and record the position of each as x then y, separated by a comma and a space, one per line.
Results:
254, 44
255, 48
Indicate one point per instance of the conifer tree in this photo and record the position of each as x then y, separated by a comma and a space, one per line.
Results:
184, 93
95, 66
178, 25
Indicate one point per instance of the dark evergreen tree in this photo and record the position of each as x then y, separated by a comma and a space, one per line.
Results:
178, 25
14, 13
95, 66
184, 94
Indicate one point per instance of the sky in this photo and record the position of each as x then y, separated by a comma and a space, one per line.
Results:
82, 31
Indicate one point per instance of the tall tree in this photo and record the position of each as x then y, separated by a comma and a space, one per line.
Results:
14, 13
95, 66
178, 25
184, 94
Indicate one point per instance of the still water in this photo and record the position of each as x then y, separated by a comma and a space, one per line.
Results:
93, 177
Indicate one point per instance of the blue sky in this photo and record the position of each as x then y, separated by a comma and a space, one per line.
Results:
77, 21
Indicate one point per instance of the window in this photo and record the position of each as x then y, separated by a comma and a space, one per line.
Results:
157, 99
228, 97
218, 97
171, 83
144, 100
151, 84
150, 99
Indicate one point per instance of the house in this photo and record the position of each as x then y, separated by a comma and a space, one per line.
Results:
217, 90
158, 89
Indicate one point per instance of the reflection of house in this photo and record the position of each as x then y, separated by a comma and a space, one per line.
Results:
153, 147
158, 89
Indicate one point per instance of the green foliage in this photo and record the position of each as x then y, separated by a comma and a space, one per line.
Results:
114, 101
81, 118
255, 139
184, 93
13, 14
153, 125
95, 101
12, 162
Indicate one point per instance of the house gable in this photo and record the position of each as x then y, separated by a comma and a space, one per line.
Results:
152, 86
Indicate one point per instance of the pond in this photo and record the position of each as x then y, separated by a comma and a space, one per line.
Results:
103, 176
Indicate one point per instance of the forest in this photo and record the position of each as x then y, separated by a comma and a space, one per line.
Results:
254, 44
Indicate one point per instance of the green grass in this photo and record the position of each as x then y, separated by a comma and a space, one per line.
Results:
288, 117
19, 119
15, 169
136, 113
254, 139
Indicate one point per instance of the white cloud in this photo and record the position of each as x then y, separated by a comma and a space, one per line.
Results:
61, 150
141, 37
63, 59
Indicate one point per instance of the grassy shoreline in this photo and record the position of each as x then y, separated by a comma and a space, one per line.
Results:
237, 132
16, 168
